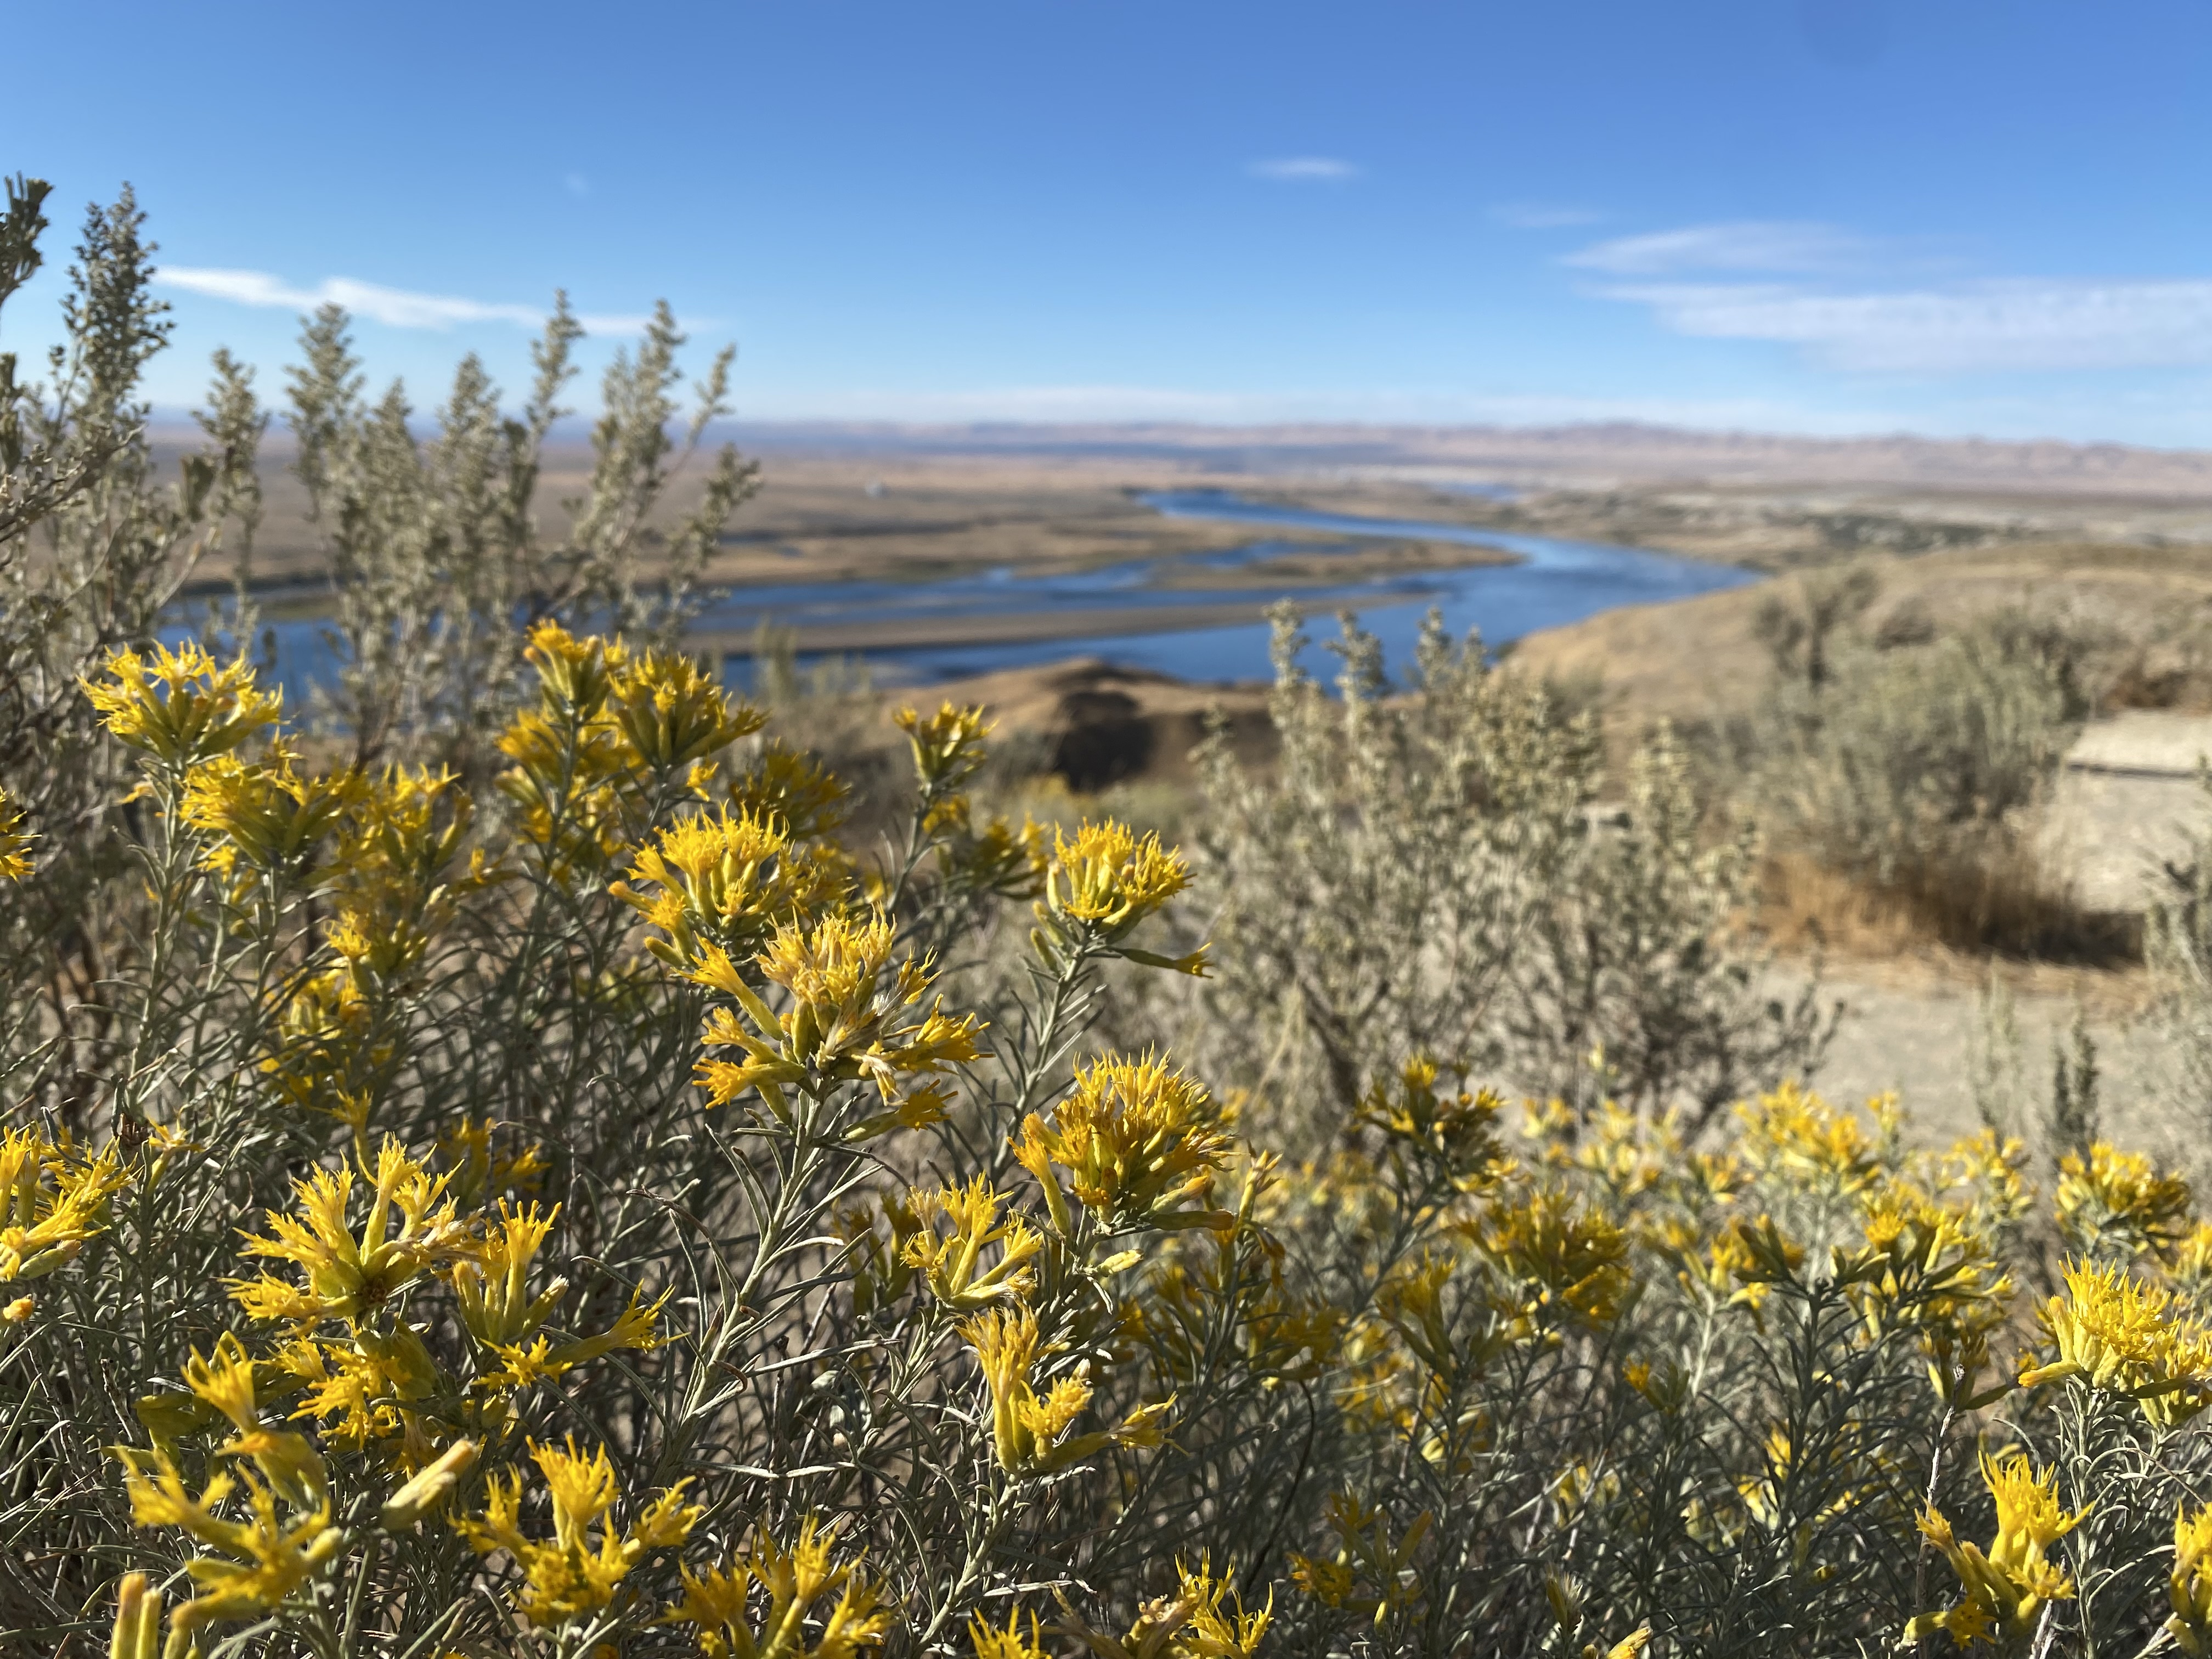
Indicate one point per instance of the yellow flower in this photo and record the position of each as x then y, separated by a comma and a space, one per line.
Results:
989, 1642
1566, 1593
1410, 1301
1568, 1596
43, 1226
406, 823
1370, 1573
880, 1272
574, 772
998, 858
566, 782
1926, 1267
2129, 1338
1985, 1173
180, 706
836, 967
2116, 1202
266, 814
1556, 1255
1099, 886
848, 1023
323, 1058
480, 1170
260, 1560
348, 1273
1108, 877
225, 1381
637, 1326
394, 887
15, 856
1029, 1429
2007, 1586
368, 1380
672, 713
792, 791
1205, 1619
492, 1286
2192, 1266
794, 1581
1193, 1295
1665, 1388
575, 1571
725, 884
574, 674
1455, 1132
1216, 1626
953, 1265
1138, 1141
948, 747
2189, 1584
1799, 1136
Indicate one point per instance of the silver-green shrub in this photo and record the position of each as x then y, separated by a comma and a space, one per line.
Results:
1917, 771
1428, 873
439, 558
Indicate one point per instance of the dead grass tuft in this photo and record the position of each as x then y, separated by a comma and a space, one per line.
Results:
1998, 895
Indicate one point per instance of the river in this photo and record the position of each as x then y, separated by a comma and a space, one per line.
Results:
1552, 582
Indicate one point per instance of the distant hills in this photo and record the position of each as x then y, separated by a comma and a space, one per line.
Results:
1625, 453
1599, 455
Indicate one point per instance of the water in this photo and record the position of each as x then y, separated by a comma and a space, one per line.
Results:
1554, 582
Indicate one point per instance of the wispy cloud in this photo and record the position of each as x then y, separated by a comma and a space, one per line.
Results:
395, 307
2012, 324
1305, 169
1542, 216
1786, 246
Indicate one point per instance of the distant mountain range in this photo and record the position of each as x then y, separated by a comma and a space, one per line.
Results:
1625, 453
1599, 455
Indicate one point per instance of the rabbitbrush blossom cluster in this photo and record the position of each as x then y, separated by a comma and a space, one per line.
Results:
607, 1224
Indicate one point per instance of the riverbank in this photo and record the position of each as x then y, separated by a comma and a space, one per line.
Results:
1198, 617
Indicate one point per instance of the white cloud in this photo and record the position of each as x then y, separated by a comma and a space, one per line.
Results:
1541, 216
1306, 169
1794, 246
2012, 324
395, 307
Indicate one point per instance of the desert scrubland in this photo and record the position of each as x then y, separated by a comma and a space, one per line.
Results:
523, 1150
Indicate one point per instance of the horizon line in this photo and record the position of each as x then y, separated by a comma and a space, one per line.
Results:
167, 419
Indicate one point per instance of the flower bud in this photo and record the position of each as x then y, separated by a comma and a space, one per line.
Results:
137, 1619
428, 1489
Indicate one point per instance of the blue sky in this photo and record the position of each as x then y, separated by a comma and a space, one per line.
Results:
1826, 216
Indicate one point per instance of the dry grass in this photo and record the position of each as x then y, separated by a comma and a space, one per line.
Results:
2005, 901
